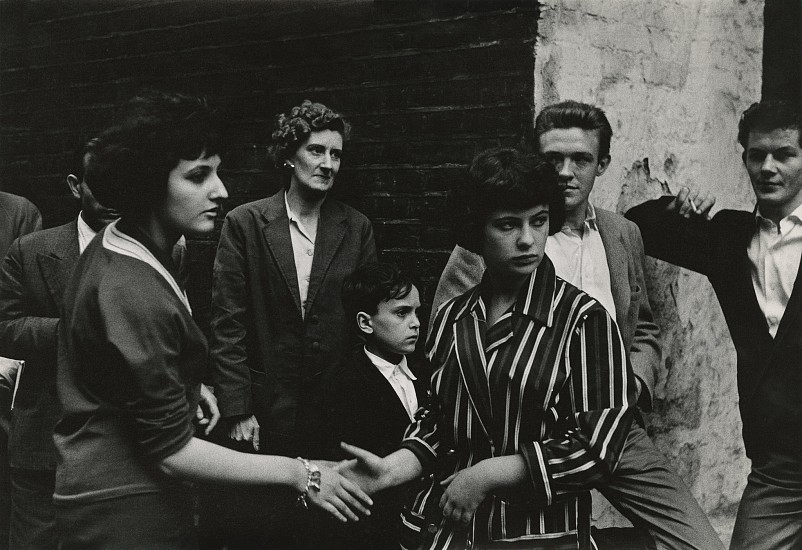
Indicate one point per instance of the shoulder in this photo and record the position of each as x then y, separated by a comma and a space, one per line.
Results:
348, 212
574, 303
250, 210
11, 202
48, 239
613, 221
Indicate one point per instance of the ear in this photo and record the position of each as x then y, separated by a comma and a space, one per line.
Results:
604, 162
364, 323
74, 185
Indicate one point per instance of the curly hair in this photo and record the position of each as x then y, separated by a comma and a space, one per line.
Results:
770, 115
133, 159
293, 128
506, 178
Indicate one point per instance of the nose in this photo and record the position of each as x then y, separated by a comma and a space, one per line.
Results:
526, 238
564, 168
414, 322
218, 191
327, 163
769, 164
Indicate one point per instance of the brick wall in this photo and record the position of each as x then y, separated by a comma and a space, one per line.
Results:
425, 85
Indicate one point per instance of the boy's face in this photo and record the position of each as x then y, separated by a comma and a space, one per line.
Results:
395, 327
773, 159
514, 241
574, 152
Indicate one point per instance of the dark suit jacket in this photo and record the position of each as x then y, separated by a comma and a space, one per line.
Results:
769, 370
625, 258
267, 359
364, 410
18, 216
33, 277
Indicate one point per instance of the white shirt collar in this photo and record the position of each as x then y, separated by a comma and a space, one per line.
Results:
794, 218
387, 369
85, 233
294, 218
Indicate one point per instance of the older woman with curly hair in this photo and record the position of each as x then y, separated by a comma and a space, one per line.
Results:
278, 325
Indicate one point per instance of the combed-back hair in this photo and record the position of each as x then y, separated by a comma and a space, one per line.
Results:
770, 115
77, 160
131, 164
573, 114
294, 127
369, 285
506, 179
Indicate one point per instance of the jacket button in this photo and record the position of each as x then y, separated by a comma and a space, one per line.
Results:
315, 346
314, 319
432, 528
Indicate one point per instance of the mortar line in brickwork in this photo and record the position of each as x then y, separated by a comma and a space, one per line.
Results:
234, 18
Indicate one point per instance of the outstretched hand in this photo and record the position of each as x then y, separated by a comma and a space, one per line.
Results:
341, 497
368, 470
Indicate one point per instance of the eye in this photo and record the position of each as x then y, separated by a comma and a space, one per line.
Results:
540, 221
336, 154
316, 149
197, 176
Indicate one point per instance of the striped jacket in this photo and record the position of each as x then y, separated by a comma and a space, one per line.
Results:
549, 380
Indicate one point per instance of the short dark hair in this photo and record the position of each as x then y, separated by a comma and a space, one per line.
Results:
573, 114
77, 161
134, 158
294, 127
369, 285
506, 178
769, 115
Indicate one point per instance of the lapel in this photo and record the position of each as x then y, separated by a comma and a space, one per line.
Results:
330, 233
616, 253
58, 263
384, 391
469, 350
277, 238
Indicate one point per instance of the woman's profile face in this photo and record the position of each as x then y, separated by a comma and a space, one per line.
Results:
316, 162
194, 194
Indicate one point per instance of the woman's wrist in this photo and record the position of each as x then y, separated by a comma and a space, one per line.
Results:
311, 482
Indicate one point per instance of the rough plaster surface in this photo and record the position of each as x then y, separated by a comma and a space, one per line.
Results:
673, 77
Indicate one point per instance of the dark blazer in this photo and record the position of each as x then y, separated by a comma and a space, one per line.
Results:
364, 410
625, 259
769, 370
267, 359
18, 216
33, 277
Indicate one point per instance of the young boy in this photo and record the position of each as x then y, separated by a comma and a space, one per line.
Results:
375, 392
532, 395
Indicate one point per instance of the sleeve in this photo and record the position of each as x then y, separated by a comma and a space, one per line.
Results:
422, 436
462, 272
30, 221
667, 236
142, 373
367, 253
644, 353
230, 373
22, 335
594, 412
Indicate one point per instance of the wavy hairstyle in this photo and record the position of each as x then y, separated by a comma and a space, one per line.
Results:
770, 115
133, 159
506, 178
293, 128
573, 114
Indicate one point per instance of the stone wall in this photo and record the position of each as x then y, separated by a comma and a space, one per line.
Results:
673, 77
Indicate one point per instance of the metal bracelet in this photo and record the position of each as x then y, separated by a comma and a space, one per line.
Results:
312, 481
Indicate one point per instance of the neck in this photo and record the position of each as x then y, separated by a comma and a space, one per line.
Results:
390, 357
163, 238
777, 213
575, 219
505, 289
304, 203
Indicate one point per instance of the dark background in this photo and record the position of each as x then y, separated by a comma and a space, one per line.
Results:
425, 85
